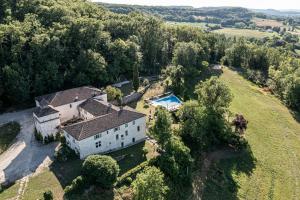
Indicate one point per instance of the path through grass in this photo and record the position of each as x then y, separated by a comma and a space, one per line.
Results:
274, 138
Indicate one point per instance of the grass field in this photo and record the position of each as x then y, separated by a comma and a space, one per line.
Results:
8, 133
267, 22
230, 32
274, 139
194, 24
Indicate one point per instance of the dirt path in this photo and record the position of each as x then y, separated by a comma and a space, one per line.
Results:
199, 176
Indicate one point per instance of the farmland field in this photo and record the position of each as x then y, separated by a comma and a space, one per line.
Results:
274, 138
230, 32
267, 22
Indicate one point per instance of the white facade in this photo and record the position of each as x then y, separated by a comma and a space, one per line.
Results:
110, 140
47, 125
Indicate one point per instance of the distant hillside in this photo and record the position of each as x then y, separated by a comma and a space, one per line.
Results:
225, 16
283, 13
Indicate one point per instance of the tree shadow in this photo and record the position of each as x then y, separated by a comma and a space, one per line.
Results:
220, 183
296, 115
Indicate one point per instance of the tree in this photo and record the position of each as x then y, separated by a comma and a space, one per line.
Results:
162, 128
175, 76
113, 93
135, 78
48, 195
101, 170
214, 95
176, 161
150, 185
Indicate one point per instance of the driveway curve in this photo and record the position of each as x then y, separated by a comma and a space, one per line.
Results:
25, 154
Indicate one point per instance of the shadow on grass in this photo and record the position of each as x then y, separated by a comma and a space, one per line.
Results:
220, 183
296, 115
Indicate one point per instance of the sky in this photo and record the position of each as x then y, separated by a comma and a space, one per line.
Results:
257, 4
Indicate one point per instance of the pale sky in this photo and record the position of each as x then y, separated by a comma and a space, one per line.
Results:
260, 4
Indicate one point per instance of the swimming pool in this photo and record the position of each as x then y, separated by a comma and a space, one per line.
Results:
170, 102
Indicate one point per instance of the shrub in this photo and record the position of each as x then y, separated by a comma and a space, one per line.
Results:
48, 195
38, 136
113, 93
131, 173
101, 170
64, 153
77, 186
57, 136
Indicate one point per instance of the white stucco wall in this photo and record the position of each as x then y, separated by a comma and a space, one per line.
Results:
85, 114
108, 140
68, 112
47, 125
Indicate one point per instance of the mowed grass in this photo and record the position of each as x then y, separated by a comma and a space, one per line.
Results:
248, 33
8, 133
59, 175
267, 22
274, 138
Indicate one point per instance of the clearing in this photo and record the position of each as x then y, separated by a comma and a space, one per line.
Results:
272, 169
230, 32
260, 22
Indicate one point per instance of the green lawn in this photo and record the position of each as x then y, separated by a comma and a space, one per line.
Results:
274, 138
243, 33
59, 175
8, 133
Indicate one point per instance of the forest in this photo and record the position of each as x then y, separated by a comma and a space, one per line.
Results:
50, 45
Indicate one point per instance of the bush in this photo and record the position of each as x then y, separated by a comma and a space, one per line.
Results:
48, 195
57, 136
131, 173
113, 93
77, 186
38, 136
64, 153
101, 170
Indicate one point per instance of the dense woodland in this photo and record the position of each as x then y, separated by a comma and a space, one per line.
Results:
49, 45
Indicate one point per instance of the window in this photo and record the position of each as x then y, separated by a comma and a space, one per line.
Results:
133, 140
68, 136
116, 129
73, 141
138, 128
98, 144
117, 136
122, 137
107, 132
70, 105
126, 125
97, 136
133, 122
126, 133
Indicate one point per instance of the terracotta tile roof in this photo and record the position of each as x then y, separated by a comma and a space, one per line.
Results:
41, 112
97, 107
102, 123
68, 96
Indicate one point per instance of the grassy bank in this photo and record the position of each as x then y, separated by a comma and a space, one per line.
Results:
274, 138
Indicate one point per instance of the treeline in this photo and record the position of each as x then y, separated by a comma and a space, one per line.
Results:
275, 68
50, 45
227, 16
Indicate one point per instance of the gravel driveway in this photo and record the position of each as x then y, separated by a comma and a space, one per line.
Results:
26, 154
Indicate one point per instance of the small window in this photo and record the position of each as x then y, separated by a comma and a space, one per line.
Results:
126, 125
116, 129
133, 140
138, 128
70, 105
97, 136
73, 141
117, 136
133, 122
68, 136
107, 132
98, 144
126, 133
122, 137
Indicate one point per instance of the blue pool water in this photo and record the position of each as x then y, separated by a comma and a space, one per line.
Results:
169, 102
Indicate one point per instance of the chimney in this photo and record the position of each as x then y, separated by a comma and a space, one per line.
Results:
76, 98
